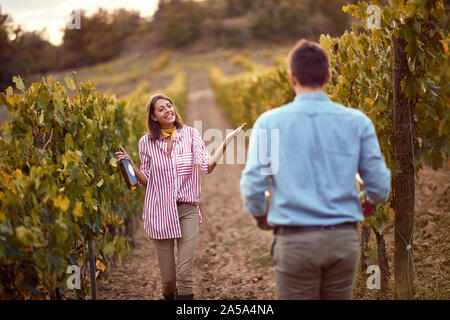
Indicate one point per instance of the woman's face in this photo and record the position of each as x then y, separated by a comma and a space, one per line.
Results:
164, 113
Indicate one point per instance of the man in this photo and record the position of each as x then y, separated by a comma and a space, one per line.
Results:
319, 147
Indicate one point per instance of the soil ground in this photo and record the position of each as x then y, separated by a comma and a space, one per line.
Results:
232, 254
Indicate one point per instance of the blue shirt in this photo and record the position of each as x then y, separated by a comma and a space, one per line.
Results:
310, 151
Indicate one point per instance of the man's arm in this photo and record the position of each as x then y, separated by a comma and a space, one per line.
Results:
372, 167
254, 182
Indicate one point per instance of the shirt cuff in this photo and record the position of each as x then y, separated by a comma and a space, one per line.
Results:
256, 207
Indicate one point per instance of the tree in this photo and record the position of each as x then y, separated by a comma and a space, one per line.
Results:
286, 17
22, 52
6, 50
240, 7
181, 21
100, 38
397, 72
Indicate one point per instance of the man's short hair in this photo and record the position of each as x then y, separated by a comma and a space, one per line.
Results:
309, 63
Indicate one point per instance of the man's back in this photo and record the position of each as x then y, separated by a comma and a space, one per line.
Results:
316, 147
322, 145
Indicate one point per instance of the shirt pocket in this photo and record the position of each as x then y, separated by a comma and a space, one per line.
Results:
185, 164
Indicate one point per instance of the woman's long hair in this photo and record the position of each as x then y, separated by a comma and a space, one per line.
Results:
154, 127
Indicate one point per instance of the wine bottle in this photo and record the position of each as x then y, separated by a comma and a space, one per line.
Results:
128, 172
368, 209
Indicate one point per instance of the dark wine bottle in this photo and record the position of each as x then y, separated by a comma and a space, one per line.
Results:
128, 172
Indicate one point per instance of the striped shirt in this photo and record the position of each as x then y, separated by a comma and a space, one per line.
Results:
170, 179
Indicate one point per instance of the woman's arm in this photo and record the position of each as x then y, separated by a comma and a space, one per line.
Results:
139, 175
219, 153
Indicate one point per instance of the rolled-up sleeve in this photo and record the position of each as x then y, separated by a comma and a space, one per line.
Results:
253, 182
144, 158
201, 155
372, 167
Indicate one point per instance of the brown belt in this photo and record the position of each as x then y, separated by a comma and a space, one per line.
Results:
294, 229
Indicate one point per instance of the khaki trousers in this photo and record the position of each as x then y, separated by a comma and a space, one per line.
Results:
182, 271
313, 265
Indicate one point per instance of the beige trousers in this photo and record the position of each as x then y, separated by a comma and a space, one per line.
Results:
181, 272
313, 265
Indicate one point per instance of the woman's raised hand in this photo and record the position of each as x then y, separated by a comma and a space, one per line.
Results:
219, 152
235, 132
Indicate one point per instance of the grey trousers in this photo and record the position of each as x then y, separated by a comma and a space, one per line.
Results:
313, 265
181, 273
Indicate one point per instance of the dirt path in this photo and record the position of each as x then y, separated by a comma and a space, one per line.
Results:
232, 255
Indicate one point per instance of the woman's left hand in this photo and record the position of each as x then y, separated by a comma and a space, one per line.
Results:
235, 132
123, 155
219, 152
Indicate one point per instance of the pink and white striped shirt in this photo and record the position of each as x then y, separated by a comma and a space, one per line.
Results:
170, 179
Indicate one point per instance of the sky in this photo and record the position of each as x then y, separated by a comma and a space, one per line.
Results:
54, 15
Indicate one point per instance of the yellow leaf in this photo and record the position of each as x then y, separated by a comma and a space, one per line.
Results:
100, 265
19, 83
18, 174
113, 162
62, 202
24, 235
77, 211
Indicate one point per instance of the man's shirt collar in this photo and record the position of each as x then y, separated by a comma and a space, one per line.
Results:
312, 96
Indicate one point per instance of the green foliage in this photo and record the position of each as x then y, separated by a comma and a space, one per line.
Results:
235, 8
231, 36
60, 186
280, 17
267, 53
246, 63
293, 18
103, 37
245, 96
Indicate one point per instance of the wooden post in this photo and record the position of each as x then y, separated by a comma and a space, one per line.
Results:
403, 183
365, 237
92, 269
382, 263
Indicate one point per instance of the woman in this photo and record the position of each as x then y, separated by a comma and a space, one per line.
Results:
169, 155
